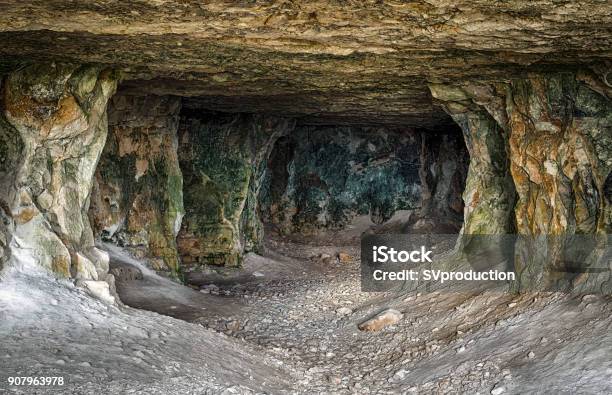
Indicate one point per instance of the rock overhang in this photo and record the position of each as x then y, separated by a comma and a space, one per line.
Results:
325, 62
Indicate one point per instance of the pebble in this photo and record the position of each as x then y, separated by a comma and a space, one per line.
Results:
498, 390
381, 320
344, 311
400, 374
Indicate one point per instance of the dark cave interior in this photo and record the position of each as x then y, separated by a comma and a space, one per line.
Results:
230, 178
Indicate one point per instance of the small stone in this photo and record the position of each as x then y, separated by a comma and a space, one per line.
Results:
498, 390
343, 257
325, 258
400, 374
531, 355
381, 320
344, 311
100, 290
334, 379
209, 289
258, 274
461, 349
233, 326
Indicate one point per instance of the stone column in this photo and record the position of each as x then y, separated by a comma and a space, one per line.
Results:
556, 133
561, 155
489, 191
59, 114
137, 200
223, 158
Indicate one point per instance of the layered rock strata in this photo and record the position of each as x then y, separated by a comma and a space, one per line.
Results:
223, 158
137, 199
329, 61
52, 132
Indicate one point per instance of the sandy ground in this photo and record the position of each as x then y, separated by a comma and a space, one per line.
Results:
287, 323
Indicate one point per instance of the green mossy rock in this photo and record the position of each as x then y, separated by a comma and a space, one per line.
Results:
323, 177
223, 158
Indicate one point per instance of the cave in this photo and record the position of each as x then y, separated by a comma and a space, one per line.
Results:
189, 189
305, 198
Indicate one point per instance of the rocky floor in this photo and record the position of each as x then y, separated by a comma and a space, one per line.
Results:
476, 341
295, 330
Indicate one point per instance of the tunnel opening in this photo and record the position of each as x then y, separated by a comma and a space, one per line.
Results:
331, 184
199, 195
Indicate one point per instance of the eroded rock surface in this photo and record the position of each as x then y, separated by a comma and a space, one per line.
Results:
223, 158
325, 177
137, 199
547, 140
54, 131
443, 167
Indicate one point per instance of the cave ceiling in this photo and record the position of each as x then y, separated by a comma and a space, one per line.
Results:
322, 61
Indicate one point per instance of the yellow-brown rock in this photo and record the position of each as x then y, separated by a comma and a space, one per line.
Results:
56, 116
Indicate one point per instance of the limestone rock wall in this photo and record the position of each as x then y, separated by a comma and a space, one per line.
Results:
489, 194
52, 130
137, 199
223, 158
323, 177
551, 133
443, 166
11, 148
561, 155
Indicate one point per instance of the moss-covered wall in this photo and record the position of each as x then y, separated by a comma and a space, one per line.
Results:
322, 177
137, 200
223, 158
